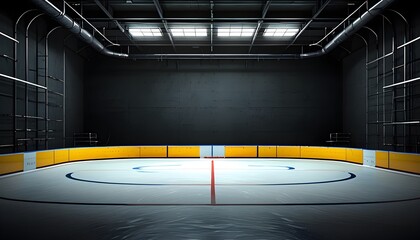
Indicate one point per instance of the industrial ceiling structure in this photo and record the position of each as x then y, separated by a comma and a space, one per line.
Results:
276, 29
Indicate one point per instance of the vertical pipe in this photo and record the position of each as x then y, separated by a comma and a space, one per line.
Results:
46, 85
367, 89
64, 95
377, 96
394, 104
393, 110
46, 91
15, 70
404, 94
367, 94
377, 85
407, 111
383, 84
36, 92
26, 89
27, 77
14, 124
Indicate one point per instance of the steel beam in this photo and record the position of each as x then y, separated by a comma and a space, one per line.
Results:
165, 23
257, 30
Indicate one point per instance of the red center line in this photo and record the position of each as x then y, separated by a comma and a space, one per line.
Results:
213, 188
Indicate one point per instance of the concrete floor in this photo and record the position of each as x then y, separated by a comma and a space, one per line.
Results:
173, 199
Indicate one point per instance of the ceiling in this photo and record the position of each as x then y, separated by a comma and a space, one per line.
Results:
314, 19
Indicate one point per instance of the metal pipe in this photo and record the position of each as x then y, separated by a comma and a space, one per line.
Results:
403, 82
408, 43
308, 23
333, 30
393, 104
377, 83
9, 37
27, 72
93, 27
64, 97
337, 40
46, 83
380, 58
406, 36
106, 11
36, 80
402, 123
383, 84
15, 72
367, 90
68, 23
22, 81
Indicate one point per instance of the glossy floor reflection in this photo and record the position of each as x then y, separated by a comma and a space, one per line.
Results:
175, 199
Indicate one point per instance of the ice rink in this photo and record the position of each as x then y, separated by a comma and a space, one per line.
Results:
210, 199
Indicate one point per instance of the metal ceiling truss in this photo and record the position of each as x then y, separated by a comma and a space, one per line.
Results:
336, 38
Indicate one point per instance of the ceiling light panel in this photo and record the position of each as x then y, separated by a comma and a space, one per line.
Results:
189, 32
235, 32
145, 32
280, 32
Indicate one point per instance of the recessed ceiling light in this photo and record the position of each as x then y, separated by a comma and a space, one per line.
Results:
280, 32
189, 32
145, 32
235, 32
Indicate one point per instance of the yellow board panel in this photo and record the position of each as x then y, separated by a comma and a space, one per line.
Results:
123, 152
405, 162
61, 156
11, 163
354, 155
184, 151
267, 151
288, 151
84, 154
153, 151
323, 153
240, 151
44, 158
382, 159
103, 153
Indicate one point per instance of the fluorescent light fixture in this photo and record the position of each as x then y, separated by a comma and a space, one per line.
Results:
145, 32
189, 32
280, 32
235, 32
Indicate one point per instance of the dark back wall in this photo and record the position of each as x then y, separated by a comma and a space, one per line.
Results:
354, 97
213, 102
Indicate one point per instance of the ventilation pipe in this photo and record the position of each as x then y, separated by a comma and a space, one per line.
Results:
75, 28
68, 23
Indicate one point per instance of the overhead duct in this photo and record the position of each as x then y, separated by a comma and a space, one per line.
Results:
70, 24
